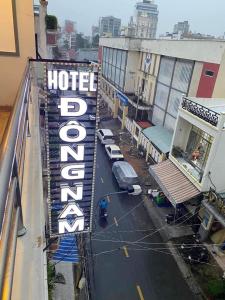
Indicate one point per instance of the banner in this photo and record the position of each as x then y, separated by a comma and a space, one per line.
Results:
70, 117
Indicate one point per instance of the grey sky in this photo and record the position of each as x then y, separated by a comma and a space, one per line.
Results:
205, 16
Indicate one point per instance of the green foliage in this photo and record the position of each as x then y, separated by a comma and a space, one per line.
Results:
51, 279
51, 22
56, 53
81, 41
95, 42
216, 289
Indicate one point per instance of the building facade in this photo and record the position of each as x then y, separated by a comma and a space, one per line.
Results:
109, 26
144, 80
146, 19
196, 164
182, 27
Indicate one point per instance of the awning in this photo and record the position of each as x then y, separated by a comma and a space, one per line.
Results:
67, 251
174, 184
160, 137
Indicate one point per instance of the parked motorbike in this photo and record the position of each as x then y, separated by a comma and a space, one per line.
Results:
193, 252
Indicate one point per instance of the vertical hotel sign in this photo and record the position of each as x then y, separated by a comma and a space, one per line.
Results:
71, 108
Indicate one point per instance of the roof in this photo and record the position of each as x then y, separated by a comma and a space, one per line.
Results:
215, 104
113, 147
160, 137
126, 168
106, 131
144, 124
174, 184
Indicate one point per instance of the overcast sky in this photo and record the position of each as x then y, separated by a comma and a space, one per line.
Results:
204, 16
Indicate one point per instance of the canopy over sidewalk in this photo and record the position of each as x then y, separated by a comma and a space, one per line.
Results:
174, 184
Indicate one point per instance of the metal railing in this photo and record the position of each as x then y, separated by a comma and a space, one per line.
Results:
12, 153
200, 111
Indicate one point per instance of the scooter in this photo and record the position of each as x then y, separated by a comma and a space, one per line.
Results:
103, 213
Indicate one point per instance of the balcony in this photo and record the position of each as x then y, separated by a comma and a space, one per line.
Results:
192, 150
208, 110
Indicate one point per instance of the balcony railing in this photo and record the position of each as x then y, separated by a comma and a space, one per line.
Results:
11, 177
200, 111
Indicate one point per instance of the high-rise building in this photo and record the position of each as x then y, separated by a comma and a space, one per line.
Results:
182, 27
146, 16
109, 26
94, 31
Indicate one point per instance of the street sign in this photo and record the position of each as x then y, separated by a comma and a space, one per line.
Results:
123, 98
71, 145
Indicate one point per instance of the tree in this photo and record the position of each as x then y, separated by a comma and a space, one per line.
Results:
95, 41
51, 22
79, 41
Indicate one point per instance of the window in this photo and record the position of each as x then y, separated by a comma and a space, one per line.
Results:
209, 73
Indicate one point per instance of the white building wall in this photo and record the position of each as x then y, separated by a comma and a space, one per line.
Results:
207, 51
196, 76
131, 69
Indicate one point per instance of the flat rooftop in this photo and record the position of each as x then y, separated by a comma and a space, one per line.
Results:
215, 104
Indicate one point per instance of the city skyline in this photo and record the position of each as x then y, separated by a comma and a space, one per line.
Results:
190, 11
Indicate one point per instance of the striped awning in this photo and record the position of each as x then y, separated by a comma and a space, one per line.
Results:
173, 183
67, 251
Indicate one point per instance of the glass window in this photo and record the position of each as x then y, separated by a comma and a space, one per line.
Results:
121, 79
182, 75
158, 116
174, 102
109, 71
117, 77
161, 96
110, 55
166, 70
114, 57
113, 74
119, 57
106, 70
106, 54
123, 63
170, 122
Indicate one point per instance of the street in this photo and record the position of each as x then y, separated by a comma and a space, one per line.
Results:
122, 270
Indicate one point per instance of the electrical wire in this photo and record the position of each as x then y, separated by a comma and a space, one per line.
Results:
154, 250
161, 228
121, 218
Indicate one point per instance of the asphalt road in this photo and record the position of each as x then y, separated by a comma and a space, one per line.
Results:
123, 270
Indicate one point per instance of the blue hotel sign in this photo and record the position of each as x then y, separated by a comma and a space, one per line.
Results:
71, 146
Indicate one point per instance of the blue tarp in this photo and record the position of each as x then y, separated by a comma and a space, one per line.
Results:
67, 251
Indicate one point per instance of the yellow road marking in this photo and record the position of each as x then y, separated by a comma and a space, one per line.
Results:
115, 220
102, 180
125, 251
140, 293
108, 198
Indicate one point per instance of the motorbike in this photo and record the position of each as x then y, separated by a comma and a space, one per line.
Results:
103, 213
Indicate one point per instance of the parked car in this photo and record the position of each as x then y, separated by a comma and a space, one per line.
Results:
114, 152
106, 136
126, 176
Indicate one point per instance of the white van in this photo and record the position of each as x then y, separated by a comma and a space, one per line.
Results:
106, 136
126, 176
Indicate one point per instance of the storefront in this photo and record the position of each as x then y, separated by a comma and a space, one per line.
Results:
158, 143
